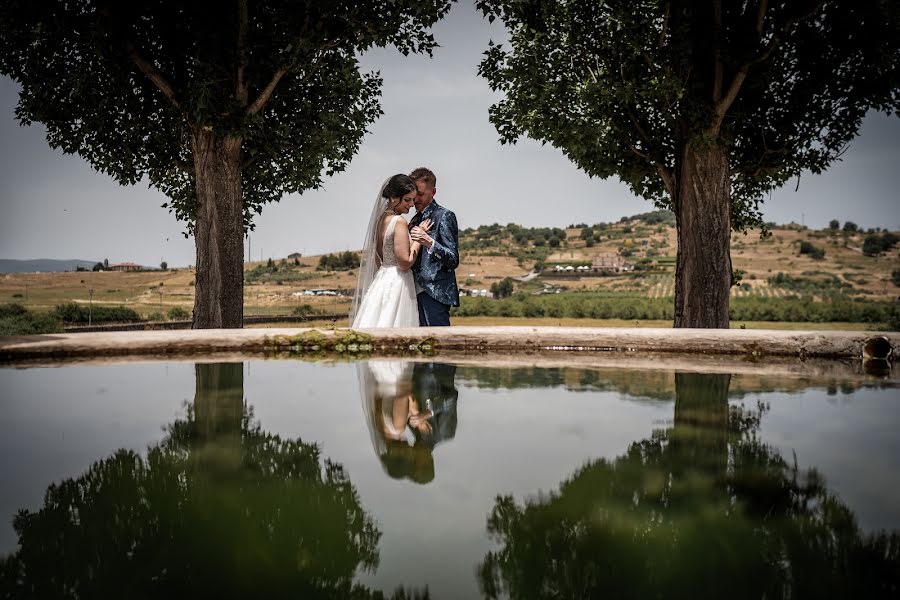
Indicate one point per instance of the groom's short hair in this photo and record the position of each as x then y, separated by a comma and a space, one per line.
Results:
423, 174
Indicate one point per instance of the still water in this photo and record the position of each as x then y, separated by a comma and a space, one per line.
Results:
415, 479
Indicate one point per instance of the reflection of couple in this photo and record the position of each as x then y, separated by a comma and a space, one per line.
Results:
410, 408
407, 277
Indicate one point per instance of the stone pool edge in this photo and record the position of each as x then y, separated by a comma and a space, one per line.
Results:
417, 341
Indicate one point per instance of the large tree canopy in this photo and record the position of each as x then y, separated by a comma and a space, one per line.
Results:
719, 100
122, 83
223, 106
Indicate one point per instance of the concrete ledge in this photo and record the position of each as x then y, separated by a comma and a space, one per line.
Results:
486, 340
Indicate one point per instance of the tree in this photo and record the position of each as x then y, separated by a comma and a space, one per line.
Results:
850, 227
699, 107
164, 265
700, 509
98, 267
834, 225
222, 108
215, 493
502, 289
872, 245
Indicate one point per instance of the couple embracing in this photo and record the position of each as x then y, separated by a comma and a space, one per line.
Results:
407, 276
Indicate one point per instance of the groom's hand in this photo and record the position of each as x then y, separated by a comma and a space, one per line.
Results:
417, 234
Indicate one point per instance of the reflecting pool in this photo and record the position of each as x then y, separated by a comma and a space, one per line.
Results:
394, 478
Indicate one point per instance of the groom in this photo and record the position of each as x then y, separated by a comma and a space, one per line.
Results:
435, 267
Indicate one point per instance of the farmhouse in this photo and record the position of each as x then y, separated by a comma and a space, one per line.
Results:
126, 266
610, 262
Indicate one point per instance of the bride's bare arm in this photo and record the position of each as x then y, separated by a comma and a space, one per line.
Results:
405, 249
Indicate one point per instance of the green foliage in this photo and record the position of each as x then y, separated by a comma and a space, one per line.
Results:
263, 273
127, 84
342, 261
828, 285
895, 277
305, 310
15, 319
164, 266
581, 305
813, 251
622, 88
874, 244
850, 227
665, 217
893, 318
502, 289
80, 314
834, 225
177, 313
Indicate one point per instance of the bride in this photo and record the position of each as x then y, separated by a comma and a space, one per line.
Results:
385, 291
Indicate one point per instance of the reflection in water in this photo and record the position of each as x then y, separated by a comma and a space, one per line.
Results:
410, 408
218, 508
703, 509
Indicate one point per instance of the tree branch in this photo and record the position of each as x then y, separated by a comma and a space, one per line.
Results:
152, 73
665, 24
718, 68
668, 178
241, 92
761, 16
721, 107
266, 93
664, 172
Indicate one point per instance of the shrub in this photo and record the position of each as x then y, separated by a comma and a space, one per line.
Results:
15, 319
850, 227
80, 314
304, 310
813, 251
343, 261
177, 313
893, 319
503, 289
895, 277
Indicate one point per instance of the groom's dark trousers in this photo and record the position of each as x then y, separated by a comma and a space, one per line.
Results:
431, 312
435, 269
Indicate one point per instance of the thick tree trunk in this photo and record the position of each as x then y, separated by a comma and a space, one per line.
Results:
703, 222
699, 438
219, 232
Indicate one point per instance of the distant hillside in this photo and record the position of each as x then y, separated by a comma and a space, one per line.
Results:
637, 255
43, 265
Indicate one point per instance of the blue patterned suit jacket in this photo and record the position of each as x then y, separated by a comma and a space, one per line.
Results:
435, 271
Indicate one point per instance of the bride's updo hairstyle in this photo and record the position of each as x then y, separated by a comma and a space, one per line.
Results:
397, 186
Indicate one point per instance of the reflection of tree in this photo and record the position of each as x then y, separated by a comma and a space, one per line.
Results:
218, 508
703, 509
650, 383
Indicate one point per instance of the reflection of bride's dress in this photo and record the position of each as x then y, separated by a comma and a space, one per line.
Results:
391, 299
382, 383
388, 401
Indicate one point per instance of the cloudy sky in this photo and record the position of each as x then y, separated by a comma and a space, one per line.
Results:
56, 206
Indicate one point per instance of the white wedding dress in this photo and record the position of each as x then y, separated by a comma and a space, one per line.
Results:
391, 299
